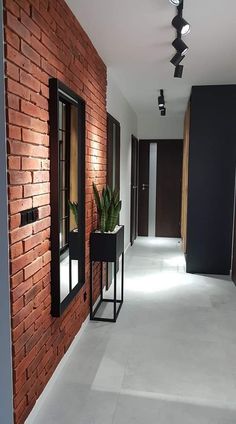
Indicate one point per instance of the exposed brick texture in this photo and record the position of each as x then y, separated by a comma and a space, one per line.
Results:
43, 39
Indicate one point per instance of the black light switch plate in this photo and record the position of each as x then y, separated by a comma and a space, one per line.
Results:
23, 219
29, 216
35, 214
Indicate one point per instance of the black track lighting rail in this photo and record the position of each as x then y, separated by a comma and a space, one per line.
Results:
180, 8
182, 28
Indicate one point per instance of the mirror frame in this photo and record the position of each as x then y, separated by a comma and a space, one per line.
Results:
57, 91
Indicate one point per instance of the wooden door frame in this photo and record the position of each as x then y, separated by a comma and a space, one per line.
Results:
149, 141
134, 142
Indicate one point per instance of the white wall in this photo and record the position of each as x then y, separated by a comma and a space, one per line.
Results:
120, 109
6, 407
153, 126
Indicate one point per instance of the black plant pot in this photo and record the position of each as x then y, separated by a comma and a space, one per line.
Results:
74, 245
107, 247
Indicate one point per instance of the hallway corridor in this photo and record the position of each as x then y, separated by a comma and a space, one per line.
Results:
170, 359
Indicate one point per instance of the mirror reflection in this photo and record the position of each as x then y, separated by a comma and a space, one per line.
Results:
68, 197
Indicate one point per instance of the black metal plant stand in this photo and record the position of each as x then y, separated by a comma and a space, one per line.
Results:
106, 247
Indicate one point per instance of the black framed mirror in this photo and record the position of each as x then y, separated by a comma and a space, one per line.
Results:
67, 176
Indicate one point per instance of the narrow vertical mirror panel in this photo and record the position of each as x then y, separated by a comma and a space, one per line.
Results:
74, 185
67, 141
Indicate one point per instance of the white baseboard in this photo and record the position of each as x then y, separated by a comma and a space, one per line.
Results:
129, 245
50, 385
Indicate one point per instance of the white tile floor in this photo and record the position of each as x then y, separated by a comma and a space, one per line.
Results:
170, 358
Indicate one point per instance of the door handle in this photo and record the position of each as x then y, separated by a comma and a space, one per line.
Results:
134, 187
145, 186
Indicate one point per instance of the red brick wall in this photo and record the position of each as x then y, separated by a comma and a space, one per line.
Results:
43, 39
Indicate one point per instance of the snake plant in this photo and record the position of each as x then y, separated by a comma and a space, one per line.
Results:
108, 208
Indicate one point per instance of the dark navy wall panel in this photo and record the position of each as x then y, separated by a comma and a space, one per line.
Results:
211, 179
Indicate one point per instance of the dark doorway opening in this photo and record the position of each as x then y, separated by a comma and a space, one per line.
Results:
160, 179
113, 152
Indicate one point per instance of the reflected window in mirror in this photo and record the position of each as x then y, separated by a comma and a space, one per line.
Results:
67, 145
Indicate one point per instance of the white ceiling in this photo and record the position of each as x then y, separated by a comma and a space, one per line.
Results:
134, 39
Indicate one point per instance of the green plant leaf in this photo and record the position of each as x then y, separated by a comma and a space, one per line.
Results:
74, 209
116, 196
103, 221
106, 200
119, 206
109, 194
102, 204
110, 218
97, 198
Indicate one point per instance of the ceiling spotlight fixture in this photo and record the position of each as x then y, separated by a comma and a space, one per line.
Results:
161, 100
181, 25
176, 2
176, 59
179, 71
161, 103
180, 46
163, 112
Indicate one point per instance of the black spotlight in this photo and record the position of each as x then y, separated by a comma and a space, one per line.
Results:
181, 25
163, 112
177, 59
180, 46
176, 2
161, 100
179, 71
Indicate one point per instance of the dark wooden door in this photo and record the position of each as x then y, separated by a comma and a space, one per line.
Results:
169, 180
134, 191
143, 188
